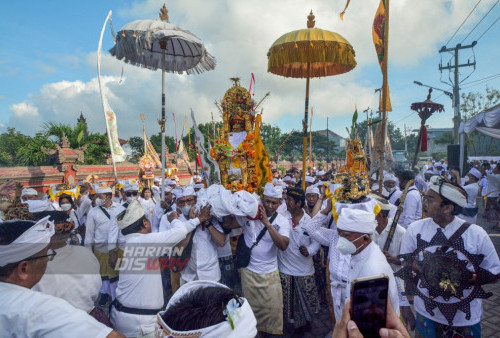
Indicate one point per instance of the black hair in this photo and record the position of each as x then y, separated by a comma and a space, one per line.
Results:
297, 194
55, 216
134, 227
144, 190
9, 232
68, 197
385, 213
200, 308
406, 175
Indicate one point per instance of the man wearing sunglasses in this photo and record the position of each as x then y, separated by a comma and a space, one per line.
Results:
24, 254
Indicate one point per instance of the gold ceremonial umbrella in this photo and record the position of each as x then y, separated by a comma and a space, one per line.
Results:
307, 53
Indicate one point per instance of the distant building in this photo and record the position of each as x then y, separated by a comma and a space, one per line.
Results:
340, 142
432, 135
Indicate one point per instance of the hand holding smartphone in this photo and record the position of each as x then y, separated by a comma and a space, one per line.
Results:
369, 303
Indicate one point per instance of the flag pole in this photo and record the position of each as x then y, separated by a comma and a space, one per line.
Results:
104, 102
385, 93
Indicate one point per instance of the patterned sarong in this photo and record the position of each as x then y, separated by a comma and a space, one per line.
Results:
263, 292
300, 299
429, 329
105, 269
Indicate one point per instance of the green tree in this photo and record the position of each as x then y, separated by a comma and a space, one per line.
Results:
30, 154
472, 104
156, 142
10, 142
137, 145
447, 138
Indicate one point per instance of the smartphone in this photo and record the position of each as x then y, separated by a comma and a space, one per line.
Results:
369, 303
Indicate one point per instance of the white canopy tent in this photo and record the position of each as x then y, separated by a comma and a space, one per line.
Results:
486, 122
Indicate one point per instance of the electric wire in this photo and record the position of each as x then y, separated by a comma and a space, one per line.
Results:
462, 23
494, 22
484, 16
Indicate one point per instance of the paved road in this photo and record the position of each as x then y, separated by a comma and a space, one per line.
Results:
490, 324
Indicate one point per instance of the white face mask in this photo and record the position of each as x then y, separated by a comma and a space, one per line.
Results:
186, 209
131, 199
99, 202
466, 179
65, 207
347, 247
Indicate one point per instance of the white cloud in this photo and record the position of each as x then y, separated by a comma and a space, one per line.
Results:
239, 34
24, 110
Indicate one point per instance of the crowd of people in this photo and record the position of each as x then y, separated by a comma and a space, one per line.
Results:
122, 259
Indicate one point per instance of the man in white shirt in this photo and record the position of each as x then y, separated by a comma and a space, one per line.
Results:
492, 211
96, 239
260, 279
163, 208
139, 295
24, 254
442, 202
412, 208
391, 191
300, 295
203, 263
471, 186
73, 274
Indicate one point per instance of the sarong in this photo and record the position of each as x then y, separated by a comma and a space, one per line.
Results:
263, 292
429, 329
492, 212
300, 299
105, 269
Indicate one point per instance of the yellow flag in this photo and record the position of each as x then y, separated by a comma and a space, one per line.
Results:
378, 30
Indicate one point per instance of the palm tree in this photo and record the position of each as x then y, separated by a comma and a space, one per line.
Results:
97, 144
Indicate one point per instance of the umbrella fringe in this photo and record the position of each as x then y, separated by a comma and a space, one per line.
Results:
337, 57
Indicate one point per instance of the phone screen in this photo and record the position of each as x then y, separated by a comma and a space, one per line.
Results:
369, 305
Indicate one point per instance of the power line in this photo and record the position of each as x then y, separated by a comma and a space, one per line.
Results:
494, 22
484, 78
484, 16
462, 23
479, 83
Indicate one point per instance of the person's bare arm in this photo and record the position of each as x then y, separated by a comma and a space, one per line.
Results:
230, 222
115, 334
218, 237
279, 240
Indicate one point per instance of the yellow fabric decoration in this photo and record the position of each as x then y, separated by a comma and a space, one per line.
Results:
54, 193
262, 169
376, 209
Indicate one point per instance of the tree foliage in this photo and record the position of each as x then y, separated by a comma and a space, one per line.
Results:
472, 104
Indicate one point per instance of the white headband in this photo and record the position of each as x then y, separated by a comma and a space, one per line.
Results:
476, 173
312, 190
273, 191
309, 179
448, 191
289, 179
33, 240
29, 191
355, 220
244, 324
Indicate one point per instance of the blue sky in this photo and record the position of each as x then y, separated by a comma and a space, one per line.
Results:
48, 60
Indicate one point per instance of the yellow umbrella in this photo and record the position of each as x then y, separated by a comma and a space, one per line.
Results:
307, 53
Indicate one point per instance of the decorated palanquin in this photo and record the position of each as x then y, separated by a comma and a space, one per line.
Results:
354, 175
146, 170
242, 158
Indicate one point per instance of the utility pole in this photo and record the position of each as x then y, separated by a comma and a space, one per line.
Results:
456, 89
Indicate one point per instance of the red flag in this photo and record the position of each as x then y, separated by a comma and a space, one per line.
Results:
423, 143
198, 160
252, 82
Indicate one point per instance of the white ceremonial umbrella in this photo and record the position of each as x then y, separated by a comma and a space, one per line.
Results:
158, 44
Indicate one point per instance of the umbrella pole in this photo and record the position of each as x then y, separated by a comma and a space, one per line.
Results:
162, 125
306, 113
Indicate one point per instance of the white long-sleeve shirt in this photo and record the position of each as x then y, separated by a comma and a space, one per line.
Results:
139, 285
97, 229
27, 313
476, 241
291, 261
412, 208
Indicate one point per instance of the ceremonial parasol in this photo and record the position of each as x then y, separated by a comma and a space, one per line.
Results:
158, 44
307, 53
425, 110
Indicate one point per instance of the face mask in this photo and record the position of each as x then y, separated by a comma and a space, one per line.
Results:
346, 247
186, 209
130, 199
390, 189
65, 207
466, 179
99, 202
